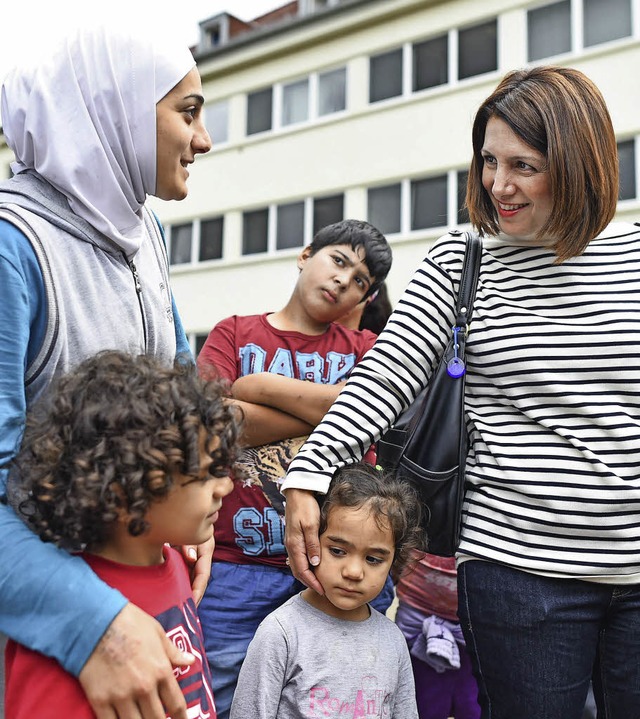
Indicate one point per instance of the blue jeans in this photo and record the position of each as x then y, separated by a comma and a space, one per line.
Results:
536, 642
238, 598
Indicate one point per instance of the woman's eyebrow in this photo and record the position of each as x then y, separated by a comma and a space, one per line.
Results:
194, 96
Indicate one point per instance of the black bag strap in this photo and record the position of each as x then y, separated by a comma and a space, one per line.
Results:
468, 279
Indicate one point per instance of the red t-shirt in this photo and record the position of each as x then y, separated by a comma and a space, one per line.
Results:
37, 686
430, 586
249, 529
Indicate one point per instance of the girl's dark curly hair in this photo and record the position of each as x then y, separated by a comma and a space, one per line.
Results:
392, 502
108, 437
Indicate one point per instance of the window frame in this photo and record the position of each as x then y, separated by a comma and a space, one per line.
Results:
272, 223
217, 142
635, 152
377, 59
577, 23
458, 52
537, 9
454, 218
278, 90
171, 239
264, 91
205, 220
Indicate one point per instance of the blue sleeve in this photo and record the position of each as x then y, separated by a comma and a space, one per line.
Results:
49, 601
183, 348
22, 317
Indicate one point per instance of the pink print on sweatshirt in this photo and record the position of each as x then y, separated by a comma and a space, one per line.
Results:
368, 702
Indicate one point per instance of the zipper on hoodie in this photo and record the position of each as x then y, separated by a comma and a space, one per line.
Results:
136, 279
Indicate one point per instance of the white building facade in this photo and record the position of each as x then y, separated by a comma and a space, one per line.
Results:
363, 109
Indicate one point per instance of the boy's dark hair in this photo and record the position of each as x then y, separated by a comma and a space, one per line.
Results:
357, 233
392, 502
377, 311
108, 437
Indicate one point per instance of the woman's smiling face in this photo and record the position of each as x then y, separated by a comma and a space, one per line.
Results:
516, 178
181, 136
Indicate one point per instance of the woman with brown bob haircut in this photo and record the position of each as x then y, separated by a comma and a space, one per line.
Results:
549, 557
562, 114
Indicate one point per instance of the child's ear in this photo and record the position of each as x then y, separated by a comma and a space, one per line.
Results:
304, 256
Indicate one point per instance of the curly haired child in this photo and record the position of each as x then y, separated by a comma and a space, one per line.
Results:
333, 654
123, 457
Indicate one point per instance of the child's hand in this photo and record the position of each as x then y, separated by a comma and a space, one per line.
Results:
198, 559
302, 520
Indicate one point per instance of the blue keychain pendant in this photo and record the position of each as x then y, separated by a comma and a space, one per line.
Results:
455, 367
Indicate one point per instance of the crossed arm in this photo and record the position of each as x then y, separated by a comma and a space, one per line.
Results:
277, 407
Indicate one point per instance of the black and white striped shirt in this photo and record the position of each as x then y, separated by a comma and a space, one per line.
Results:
552, 401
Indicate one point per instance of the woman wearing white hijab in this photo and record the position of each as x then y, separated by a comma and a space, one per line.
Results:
106, 121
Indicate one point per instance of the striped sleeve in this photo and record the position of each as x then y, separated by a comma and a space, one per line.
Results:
390, 375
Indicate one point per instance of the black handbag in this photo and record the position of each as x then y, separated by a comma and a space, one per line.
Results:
428, 444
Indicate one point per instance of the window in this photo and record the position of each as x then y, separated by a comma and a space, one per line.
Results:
385, 75
327, 210
181, 244
431, 63
214, 32
384, 208
604, 21
322, 4
295, 102
305, 99
478, 49
419, 204
332, 91
255, 231
214, 35
211, 239
626, 157
198, 343
429, 202
549, 30
290, 227
216, 120
462, 212
259, 111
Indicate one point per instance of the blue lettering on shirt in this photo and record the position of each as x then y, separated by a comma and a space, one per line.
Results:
310, 366
282, 363
249, 525
340, 366
252, 359
262, 531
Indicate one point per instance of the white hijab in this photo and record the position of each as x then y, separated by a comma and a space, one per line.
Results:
85, 120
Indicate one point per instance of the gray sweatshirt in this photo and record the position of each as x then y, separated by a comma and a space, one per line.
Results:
303, 664
97, 297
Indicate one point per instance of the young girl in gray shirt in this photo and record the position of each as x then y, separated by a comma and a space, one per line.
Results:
332, 655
